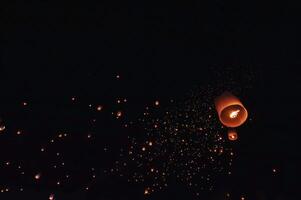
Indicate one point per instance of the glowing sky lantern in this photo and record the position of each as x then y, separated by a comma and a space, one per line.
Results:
231, 112
2, 126
232, 134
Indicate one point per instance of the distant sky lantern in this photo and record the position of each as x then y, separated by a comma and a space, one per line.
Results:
51, 197
231, 112
118, 114
232, 134
37, 176
2, 126
99, 108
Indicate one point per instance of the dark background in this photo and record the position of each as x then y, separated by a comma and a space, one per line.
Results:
51, 52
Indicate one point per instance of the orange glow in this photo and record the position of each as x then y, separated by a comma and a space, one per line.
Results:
146, 191
99, 108
37, 176
118, 114
231, 111
2, 128
51, 197
232, 135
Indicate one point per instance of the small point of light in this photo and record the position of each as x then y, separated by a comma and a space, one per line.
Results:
118, 114
99, 108
37, 176
51, 197
157, 103
146, 191
2, 128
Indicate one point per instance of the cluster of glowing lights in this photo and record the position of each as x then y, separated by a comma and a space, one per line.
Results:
186, 143
204, 148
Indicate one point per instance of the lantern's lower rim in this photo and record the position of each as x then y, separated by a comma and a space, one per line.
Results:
233, 122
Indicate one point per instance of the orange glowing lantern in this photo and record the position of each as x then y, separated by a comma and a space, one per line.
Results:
231, 112
232, 135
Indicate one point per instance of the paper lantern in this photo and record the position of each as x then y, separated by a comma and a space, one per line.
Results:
231, 111
232, 134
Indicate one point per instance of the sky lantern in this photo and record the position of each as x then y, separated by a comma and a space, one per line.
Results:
232, 134
231, 112
2, 126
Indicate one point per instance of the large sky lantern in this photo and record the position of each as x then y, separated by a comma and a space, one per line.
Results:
231, 112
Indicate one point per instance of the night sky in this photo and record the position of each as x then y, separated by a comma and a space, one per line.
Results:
79, 81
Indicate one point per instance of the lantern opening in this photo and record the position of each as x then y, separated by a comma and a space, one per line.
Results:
230, 110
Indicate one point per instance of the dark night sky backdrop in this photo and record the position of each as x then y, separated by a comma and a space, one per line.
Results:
51, 52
